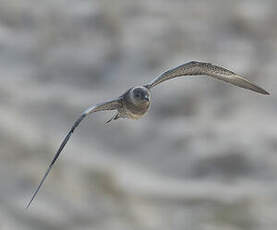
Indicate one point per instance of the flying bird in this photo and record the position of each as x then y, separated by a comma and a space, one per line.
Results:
135, 102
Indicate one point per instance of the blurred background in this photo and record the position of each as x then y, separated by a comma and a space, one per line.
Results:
204, 157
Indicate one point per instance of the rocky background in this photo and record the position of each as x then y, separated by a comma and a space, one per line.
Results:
204, 158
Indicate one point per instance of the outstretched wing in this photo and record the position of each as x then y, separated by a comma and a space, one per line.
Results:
110, 105
201, 68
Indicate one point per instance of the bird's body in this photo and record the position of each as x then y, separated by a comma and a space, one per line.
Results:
135, 102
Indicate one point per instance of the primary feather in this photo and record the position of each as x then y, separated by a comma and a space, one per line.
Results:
202, 68
110, 105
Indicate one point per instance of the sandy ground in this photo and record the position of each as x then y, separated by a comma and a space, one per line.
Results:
204, 157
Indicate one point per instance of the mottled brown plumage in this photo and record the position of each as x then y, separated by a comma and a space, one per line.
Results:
201, 68
135, 102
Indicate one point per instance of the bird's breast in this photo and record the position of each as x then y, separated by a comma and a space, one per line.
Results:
136, 112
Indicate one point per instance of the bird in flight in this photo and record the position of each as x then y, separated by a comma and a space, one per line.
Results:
135, 102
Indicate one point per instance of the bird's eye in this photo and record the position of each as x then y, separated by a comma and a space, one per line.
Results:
137, 95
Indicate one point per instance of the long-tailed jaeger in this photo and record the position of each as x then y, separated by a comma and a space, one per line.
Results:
135, 102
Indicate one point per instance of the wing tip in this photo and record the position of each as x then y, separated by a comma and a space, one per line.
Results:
260, 90
28, 205
244, 83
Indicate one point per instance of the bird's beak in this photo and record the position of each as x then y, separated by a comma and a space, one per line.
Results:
146, 98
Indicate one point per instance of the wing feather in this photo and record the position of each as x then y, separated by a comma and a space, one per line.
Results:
110, 105
202, 68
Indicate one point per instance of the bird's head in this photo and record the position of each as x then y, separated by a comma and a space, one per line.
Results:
140, 95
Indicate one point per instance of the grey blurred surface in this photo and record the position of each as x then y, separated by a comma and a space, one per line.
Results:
204, 158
